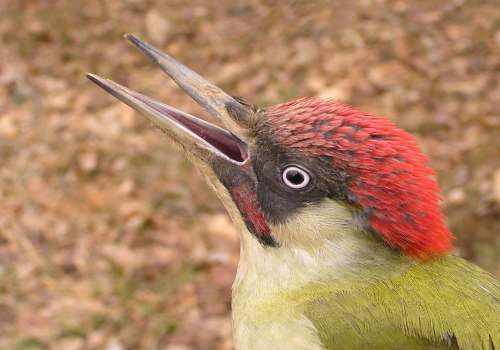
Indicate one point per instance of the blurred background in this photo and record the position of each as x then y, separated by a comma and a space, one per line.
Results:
110, 240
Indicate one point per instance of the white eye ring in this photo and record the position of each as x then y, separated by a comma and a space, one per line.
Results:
295, 177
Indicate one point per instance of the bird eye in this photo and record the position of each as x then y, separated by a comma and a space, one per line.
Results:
295, 177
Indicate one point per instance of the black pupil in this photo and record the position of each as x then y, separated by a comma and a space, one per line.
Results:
295, 177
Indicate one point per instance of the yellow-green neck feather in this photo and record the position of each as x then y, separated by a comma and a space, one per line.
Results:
319, 247
330, 285
320, 244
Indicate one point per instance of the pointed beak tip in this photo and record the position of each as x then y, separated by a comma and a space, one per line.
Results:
93, 77
100, 81
108, 85
130, 37
146, 48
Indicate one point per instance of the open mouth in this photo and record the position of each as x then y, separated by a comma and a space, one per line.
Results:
197, 136
218, 140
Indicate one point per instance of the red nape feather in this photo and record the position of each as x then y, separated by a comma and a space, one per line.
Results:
389, 176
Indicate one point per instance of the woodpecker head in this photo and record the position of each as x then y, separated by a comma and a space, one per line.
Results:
300, 172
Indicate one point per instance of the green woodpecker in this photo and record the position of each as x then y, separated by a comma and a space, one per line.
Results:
343, 242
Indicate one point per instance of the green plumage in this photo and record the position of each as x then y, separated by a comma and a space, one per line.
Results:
310, 276
445, 303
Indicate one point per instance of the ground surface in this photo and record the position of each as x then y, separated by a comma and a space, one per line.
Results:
110, 240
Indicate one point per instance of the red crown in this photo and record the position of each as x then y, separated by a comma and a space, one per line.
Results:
390, 178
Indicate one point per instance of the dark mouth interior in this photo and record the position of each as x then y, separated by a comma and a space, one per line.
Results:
222, 140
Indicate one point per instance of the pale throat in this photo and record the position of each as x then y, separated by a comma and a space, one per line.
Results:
322, 243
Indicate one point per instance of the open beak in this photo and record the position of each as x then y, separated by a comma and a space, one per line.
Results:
198, 137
